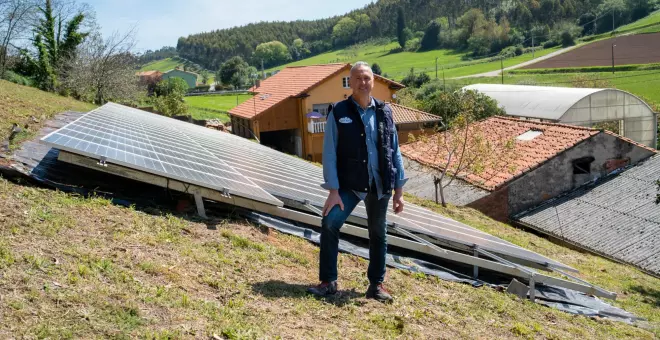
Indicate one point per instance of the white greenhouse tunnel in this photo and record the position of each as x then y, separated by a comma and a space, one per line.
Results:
577, 106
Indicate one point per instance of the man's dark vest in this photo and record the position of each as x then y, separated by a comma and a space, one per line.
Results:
352, 154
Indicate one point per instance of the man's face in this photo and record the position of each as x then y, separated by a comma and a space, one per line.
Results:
362, 81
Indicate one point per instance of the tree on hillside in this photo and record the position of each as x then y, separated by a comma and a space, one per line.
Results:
448, 104
465, 149
103, 70
400, 27
343, 32
229, 69
299, 50
430, 39
14, 15
376, 69
272, 53
55, 40
205, 76
362, 25
170, 93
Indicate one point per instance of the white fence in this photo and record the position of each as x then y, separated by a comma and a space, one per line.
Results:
314, 126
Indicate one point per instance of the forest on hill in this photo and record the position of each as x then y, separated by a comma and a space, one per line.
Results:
482, 27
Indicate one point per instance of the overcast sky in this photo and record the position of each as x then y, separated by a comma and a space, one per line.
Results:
161, 23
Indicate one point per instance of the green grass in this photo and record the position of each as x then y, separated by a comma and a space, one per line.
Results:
161, 65
648, 24
397, 65
18, 104
213, 106
167, 64
588, 69
644, 84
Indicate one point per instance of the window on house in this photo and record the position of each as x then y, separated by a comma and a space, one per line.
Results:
321, 108
345, 82
582, 165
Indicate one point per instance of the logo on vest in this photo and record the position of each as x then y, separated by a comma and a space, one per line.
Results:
345, 120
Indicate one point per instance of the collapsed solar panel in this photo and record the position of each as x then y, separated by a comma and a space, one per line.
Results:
224, 167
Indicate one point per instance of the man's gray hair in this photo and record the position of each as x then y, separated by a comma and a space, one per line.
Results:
361, 64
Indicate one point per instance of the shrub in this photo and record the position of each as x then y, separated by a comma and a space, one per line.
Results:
17, 78
413, 45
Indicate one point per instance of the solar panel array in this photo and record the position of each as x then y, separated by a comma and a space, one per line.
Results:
240, 162
141, 142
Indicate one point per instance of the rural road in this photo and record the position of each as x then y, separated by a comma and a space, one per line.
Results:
536, 60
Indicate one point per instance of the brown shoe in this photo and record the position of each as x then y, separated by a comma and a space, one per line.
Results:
324, 289
379, 293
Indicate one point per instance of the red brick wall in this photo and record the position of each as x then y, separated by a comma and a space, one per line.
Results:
495, 205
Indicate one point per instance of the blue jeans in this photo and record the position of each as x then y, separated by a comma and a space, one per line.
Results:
331, 224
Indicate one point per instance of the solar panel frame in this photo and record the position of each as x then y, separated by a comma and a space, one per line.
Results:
134, 150
277, 174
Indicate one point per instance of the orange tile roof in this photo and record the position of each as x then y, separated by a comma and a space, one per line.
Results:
291, 82
526, 155
149, 73
403, 114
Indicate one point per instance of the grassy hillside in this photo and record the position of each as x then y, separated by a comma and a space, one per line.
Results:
648, 24
18, 104
171, 63
397, 65
213, 106
83, 268
161, 65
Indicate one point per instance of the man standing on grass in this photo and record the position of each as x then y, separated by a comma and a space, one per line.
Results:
361, 162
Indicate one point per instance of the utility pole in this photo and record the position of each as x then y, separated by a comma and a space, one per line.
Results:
532, 44
263, 74
612, 20
444, 88
436, 67
502, 68
613, 58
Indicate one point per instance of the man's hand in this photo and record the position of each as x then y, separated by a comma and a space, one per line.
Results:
397, 200
332, 200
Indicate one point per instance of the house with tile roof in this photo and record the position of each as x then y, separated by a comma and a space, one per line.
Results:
548, 160
288, 109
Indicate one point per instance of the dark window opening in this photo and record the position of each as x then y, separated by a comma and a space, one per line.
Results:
582, 165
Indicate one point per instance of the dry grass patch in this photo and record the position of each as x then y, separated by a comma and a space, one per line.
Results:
82, 268
20, 103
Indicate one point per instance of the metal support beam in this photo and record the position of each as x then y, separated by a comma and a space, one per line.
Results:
200, 204
475, 273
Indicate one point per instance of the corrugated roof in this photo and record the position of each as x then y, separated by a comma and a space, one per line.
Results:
403, 114
290, 82
527, 154
545, 102
616, 217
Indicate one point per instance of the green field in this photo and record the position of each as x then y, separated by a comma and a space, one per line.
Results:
169, 64
161, 65
648, 24
644, 84
397, 65
214, 106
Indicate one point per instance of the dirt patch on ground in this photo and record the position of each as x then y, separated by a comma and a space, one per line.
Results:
632, 49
